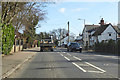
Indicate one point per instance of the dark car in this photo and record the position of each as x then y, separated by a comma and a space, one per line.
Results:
74, 46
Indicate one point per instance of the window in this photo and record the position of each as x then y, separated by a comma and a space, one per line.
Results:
109, 34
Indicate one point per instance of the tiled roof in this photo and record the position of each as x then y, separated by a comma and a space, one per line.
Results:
100, 30
117, 29
93, 29
89, 27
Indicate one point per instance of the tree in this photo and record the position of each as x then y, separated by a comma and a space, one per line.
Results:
42, 35
59, 33
17, 13
22, 15
10, 11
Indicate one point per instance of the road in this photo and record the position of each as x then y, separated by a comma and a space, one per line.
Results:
63, 64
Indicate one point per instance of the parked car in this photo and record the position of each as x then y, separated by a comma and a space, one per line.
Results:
64, 45
74, 46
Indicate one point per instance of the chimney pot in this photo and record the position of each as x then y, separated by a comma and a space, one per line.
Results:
102, 22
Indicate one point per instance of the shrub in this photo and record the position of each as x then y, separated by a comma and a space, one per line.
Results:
108, 47
7, 38
38, 44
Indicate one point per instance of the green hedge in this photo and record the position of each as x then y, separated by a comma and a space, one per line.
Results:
0, 38
7, 38
111, 46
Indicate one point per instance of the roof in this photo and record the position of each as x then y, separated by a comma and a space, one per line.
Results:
89, 27
100, 29
93, 29
117, 29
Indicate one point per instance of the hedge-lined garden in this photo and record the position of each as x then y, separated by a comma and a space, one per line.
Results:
111, 46
7, 38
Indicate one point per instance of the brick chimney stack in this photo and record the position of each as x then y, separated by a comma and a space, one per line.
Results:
101, 22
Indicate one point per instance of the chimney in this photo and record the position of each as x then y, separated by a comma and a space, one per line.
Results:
101, 22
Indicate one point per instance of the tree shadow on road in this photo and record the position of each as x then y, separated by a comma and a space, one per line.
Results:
48, 68
31, 50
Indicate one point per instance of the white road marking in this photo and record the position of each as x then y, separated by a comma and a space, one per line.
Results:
67, 58
61, 54
95, 67
79, 67
68, 54
95, 71
114, 57
77, 58
101, 70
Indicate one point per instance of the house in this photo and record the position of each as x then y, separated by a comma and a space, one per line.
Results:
103, 32
85, 34
18, 46
117, 29
92, 39
106, 32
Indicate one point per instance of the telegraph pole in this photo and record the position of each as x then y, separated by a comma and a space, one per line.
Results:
68, 33
60, 37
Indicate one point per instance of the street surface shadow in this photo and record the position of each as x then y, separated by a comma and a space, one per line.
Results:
31, 51
48, 68
57, 61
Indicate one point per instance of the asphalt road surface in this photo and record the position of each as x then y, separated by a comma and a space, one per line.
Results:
63, 64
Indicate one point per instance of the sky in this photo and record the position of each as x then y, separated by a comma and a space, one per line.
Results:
62, 12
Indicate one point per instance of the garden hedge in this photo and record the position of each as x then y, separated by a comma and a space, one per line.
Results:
8, 33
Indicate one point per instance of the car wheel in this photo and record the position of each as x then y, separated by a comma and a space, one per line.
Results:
71, 50
80, 51
41, 50
67, 49
51, 49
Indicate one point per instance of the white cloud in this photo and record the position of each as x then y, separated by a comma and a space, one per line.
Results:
62, 10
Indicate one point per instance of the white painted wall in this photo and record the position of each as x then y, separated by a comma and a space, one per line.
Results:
92, 39
105, 34
85, 36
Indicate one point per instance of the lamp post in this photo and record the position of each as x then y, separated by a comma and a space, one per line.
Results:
85, 35
83, 20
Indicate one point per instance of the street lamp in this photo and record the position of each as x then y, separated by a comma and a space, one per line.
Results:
83, 20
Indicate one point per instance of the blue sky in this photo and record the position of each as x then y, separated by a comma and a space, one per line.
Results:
60, 13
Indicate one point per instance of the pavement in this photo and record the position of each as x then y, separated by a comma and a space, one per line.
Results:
63, 64
12, 62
